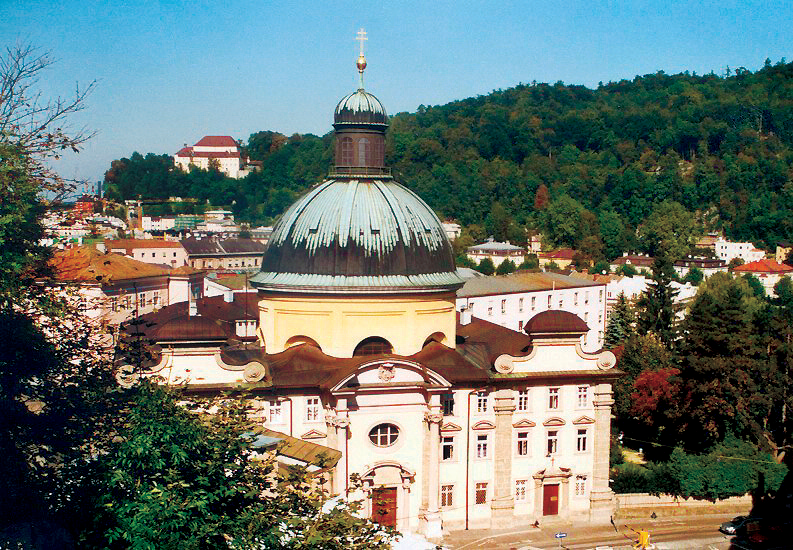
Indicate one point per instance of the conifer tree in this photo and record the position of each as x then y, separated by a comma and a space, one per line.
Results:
620, 324
657, 308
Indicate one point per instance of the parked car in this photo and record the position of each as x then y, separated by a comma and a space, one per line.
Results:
732, 526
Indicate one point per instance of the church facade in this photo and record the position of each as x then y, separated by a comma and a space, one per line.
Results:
442, 422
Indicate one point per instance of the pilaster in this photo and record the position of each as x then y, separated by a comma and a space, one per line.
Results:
431, 519
503, 504
601, 497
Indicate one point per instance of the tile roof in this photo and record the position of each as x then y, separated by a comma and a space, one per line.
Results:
217, 247
495, 246
87, 265
520, 281
763, 266
217, 141
634, 259
129, 244
559, 254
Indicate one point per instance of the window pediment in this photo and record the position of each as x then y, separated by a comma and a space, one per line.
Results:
483, 425
524, 423
450, 427
313, 434
556, 421
584, 420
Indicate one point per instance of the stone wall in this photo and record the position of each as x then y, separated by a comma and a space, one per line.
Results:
640, 505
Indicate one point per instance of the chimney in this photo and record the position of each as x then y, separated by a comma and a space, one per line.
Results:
465, 315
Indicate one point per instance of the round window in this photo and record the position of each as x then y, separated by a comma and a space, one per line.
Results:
384, 435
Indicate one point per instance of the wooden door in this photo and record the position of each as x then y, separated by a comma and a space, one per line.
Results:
550, 500
384, 506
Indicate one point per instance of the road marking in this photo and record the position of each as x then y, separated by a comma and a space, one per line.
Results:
489, 539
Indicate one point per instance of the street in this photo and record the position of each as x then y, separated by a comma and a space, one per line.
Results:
674, 533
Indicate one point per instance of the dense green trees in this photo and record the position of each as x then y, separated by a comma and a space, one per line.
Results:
720, 147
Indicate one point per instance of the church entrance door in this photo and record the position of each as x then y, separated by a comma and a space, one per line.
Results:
384, 506
550, 500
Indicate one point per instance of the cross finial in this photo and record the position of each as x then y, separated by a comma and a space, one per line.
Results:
361, 37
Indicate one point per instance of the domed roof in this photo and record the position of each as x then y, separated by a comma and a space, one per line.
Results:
555, 321
363, 236
360, 107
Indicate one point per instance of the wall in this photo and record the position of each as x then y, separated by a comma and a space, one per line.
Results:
642, 505
339, 324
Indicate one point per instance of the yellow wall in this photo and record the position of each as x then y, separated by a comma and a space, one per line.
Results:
338, 324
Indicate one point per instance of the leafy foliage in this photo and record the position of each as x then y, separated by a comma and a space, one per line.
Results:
720, 147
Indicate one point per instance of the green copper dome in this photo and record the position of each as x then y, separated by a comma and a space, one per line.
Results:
351, 235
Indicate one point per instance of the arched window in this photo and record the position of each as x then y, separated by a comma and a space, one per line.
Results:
364, 152
435, 337
373, 345
345, 152
384, 435
297, 340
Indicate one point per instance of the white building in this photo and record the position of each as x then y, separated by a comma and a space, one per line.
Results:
222, 151
497, 252
512, 300
452, 230
727, 251
769, 272
151, 251
157, 223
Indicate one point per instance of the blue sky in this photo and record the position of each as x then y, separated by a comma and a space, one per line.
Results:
170, 72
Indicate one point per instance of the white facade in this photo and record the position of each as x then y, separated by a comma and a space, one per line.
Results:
727, 251
157, 223
514, 309
498, 252
222, 150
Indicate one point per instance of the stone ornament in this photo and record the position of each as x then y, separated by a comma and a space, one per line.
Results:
386, 372
254, 372
504, 364
606, 360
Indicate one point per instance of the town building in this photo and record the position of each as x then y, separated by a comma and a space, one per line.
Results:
114, 288
769, 272
783, 249
513, 300
708, 266
158, 223
562, 257
151, 251
220, 152
498, 252
728, 251
223, 254
638, 261
449, 423
452, 230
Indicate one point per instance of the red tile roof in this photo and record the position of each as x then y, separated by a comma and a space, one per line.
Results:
763, 266
217, 141
189, 153
560, 254
87, 265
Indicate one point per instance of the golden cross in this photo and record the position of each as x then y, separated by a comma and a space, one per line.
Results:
361, 37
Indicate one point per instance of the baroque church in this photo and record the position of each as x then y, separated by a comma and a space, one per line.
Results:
447, 421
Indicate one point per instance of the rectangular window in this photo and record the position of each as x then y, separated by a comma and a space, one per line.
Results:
275, 412
447, 402
520, 304
523, 444
481, 402
583, 396
553, 398
601, 296
553, 442
447, 448
481, 446
481, 493
523, 400
586, 297
580, 441
520, 490
490, 310
550, 301
113, 304
312, 409
561, 303
575, 298
580, 486
503, 306
586, 316
600, 318
520, 326
533, 302
447, 496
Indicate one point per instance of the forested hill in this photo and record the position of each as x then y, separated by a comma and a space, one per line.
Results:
539, 154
